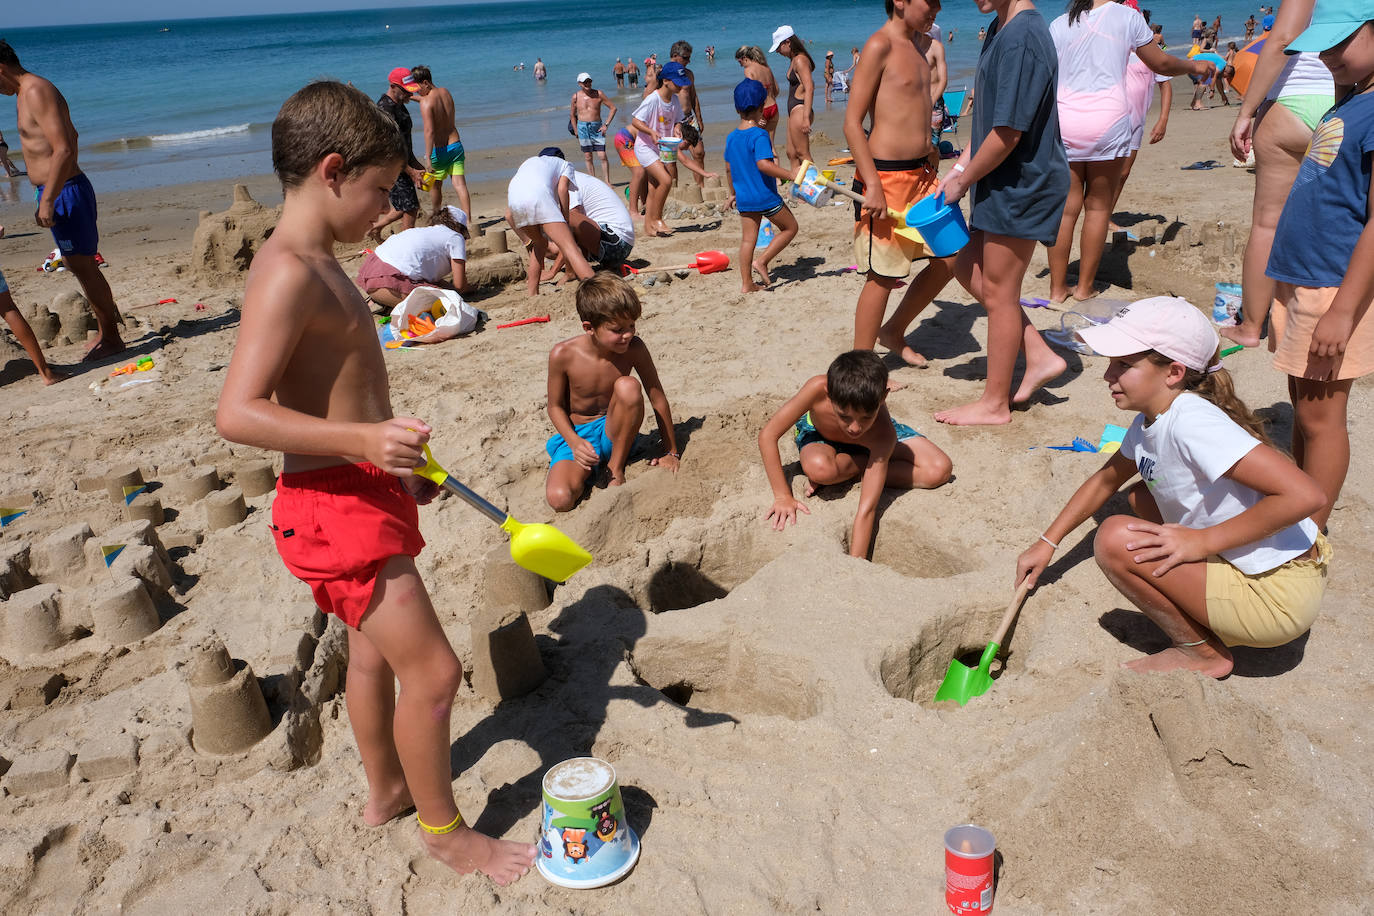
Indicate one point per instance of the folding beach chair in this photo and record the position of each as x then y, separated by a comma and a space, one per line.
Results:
956, 105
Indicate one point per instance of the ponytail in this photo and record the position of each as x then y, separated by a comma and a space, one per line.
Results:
1217, 386
1077, 8
443, 218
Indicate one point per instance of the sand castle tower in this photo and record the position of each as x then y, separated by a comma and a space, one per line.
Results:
228, 713
505, 658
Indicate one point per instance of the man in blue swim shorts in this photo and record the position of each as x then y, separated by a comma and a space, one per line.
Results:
591, 129
65, 198
443, 146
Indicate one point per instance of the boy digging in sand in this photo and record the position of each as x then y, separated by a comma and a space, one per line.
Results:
893, 168
843, 430
753, 175
307, 378
595, 403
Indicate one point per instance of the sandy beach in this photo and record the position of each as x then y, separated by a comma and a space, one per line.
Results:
766, 700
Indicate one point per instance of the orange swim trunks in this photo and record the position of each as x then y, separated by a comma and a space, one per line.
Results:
1297, 309
877, 249
335, 527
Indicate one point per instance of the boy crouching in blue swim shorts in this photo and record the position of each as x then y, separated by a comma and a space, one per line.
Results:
595, 403
843, 430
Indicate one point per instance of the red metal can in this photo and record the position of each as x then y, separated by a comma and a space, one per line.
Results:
968, 869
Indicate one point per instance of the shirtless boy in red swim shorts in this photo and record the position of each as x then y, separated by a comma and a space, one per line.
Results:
307, 378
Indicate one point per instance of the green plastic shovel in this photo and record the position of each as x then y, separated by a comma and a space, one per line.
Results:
963, 683
541, 549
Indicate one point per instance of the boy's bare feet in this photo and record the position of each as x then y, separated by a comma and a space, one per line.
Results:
103, 348
1240, 334
465, 851
52, 377
897, 344
1037, 376
1213, 661
758, 268
617, 479
977, 413
381, 808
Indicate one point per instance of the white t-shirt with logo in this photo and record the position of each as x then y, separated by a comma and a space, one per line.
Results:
424, 253
1183, 457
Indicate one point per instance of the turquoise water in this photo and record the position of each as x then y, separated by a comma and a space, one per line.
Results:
196, 101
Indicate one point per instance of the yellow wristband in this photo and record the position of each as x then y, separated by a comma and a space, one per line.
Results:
440, 831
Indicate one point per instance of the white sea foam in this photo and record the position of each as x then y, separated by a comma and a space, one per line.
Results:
200, 134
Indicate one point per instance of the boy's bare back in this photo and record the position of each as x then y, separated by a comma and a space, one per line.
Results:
899, 105
879, 438
589, 377
436, 107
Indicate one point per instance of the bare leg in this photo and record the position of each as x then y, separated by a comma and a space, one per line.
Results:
1062, 248
1175, 601
638, 180
460, 185
562, 236
748, 237
24, 334
401, 624
1280, 143
436, 196
98, 293
992, 267
623, 419
538, 248
659, 182
1103, 179
869, 310
699, 154
371, 700
605, 167
786, 225
386, 297
824, 465
565, 484
1319, 419
1121, 186
918, 464
929, 283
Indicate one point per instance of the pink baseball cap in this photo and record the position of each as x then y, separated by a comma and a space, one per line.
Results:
401, 77
1165, 324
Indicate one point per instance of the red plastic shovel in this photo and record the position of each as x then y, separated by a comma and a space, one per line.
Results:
708, 262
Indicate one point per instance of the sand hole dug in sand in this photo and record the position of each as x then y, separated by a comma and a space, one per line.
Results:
911, 550
705, 564
914, 670
722, 675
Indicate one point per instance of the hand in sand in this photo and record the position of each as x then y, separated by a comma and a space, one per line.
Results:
1169, 544
784, 510
394, 445
465, 851
1032, 562
669, 462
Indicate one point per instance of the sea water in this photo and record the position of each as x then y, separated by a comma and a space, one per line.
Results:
166, 102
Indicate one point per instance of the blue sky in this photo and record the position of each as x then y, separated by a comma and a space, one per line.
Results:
85, 11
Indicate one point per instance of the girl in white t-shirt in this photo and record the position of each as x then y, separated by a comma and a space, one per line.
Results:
659, 117
1223, 551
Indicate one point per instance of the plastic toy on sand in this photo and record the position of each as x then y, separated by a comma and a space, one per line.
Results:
963, 683
584, 839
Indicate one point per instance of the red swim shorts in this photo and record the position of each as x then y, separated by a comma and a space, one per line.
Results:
336, 526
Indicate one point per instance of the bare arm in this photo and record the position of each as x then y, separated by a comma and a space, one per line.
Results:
785, 506
871, 486
1290, 495
684, 156
939, 74
658, 400
1166, 101
1290, 20
606, 125
1166, 64
863, 91
995, 147
572, 109
1086, 500
271, 328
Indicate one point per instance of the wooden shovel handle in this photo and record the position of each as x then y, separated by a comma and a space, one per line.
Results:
1012, 609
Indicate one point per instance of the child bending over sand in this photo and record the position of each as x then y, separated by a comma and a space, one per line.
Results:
23, 333
1223, 551
537, 203
595, 403
893, 168
307, 378
753, 175
843, 430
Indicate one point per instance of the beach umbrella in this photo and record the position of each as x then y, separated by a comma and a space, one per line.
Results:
1244, 62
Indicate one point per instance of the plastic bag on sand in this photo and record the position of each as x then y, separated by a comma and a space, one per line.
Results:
451, 315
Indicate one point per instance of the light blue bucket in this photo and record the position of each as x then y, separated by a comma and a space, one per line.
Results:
942, 226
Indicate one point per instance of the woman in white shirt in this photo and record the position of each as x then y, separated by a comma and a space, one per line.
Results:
422, 256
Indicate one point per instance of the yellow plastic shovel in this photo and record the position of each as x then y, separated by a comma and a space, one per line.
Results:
541, 549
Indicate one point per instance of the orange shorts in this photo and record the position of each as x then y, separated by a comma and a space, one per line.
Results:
1297, 309
336, 526
877, 248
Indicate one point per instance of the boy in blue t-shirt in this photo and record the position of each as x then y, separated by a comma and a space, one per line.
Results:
1321, 332
753, 174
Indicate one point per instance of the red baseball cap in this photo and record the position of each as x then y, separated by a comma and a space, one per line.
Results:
401, 77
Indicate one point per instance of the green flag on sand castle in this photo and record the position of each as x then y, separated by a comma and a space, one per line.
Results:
133, 490
110, 552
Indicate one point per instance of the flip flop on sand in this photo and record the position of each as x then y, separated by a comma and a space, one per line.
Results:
1201, 166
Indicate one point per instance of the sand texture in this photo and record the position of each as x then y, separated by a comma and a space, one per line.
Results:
765, 699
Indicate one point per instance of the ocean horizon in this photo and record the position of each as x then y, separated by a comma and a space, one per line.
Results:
167, 102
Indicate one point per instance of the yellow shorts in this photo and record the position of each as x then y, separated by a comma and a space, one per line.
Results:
1271, 608
1297, 309
877, 247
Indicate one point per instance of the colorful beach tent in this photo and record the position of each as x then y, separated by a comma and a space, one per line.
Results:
1244, 63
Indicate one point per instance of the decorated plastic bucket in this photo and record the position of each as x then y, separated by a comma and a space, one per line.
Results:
667, 148
941, 225
810, 190
584, 840
1226, 305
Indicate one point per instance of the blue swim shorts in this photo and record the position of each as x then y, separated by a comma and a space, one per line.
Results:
590, 137
73, 227
806, 434
450, 160
4, 287
614, 249
594, 431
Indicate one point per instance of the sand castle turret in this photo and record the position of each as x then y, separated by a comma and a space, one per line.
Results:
228, 712
125, 612
505, 658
